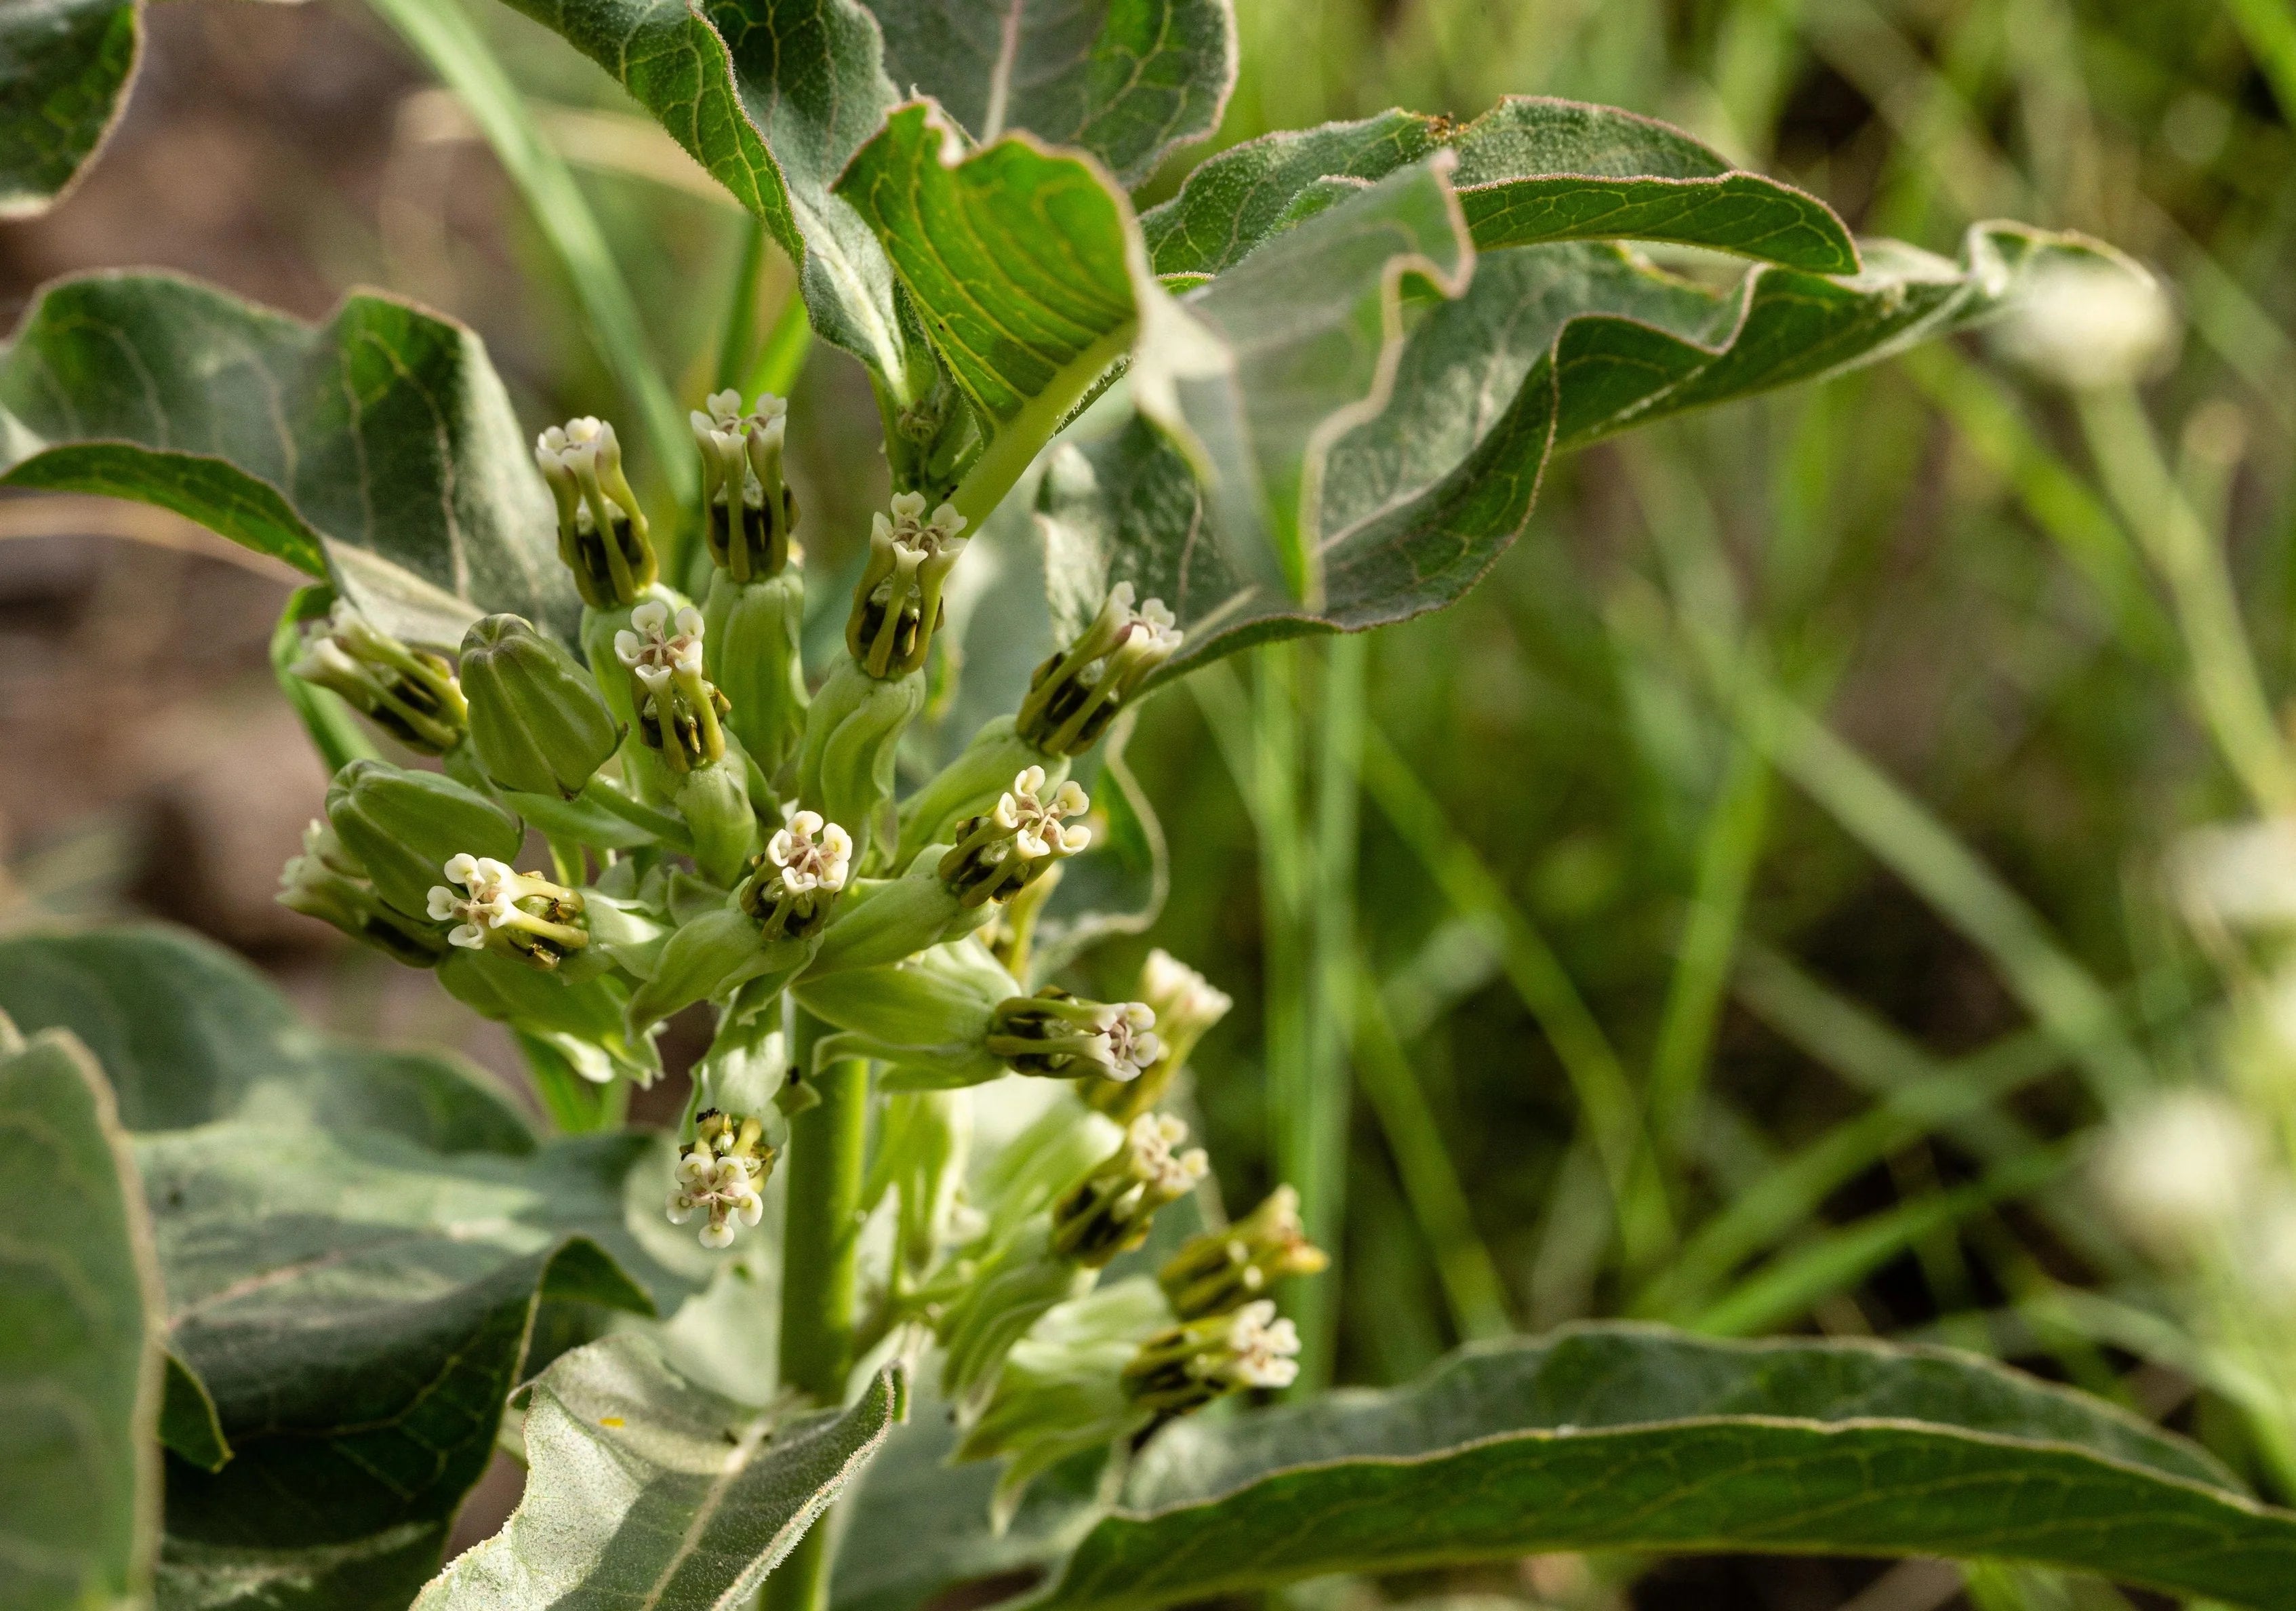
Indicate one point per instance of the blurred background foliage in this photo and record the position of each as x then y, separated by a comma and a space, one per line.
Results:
1760, 891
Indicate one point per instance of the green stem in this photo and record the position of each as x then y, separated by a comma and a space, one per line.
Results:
827, 1155
741, 308
667, 828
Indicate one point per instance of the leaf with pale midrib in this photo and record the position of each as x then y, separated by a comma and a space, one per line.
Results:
1551, 346
1636, 1440
79, 1351
646, 1489
1124, 80
378, 449
1531, 170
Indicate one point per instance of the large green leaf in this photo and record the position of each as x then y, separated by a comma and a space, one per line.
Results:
351, 1301
1615, 1438
1024, 264
1531, 170
64, 69
79, 1352
773, 97
378, 449
1257, 373
1552, 347
645, 1489
1124, 80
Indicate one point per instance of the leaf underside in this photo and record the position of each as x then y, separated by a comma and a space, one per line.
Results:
1631, 1439
646, 1489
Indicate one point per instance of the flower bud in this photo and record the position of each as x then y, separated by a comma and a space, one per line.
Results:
1109, 1210
1186, 1005
410, 693
897, 604
715, 801
1053, 1033
882, 921
326, 882
1062, 1389
751, 512
928, 1016
581, 1018
2089, 321
676, 706
602, 531
1223, 1270
1074, 695
750, 651
537, 721
521, 915
845, 766
1015, 841
1196, 1361
719, 1175
402, 826
972, 784
792, 894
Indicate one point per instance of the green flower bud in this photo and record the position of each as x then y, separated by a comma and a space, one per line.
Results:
897, 603
882, 921
1075, 695
1017, 840
1222, 1270
580, 821
410, 693
326, 882
710, 956
928, 1016
602, 531
1109, 1210
752, 512
972, 784
1062, 1389
750, 650
1196, 1361
582, 1017
715, 801
921, 1157
402, 826
1008, 1294
522, 915
845, 766
1186, 1005
537, 721
721, 1173
1053, 1033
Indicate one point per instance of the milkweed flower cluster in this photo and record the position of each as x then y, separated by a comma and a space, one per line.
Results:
723, 831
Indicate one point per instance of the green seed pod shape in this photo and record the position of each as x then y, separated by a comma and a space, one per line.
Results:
537, 721
750, 651
852, 734
402, 826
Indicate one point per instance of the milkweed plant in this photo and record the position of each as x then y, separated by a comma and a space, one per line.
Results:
929, 1291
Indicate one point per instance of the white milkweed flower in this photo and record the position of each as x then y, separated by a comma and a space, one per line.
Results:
807, 863
1016, 840
896, 603
2182, 1171
1075, 695
490, 903
1265, 1350
2087, 323
482, 903
719, 1175
656, 641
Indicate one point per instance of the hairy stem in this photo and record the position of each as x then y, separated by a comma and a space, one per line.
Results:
827, 1154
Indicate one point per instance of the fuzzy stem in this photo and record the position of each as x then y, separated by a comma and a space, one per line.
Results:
827, 1152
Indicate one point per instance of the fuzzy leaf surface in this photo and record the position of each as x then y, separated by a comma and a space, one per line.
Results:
646, 1489
80, 1341
352, 1301
1531, 170
773, 97
64, 70
1617, 1438
378, 449
1124, 80
1551, 346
